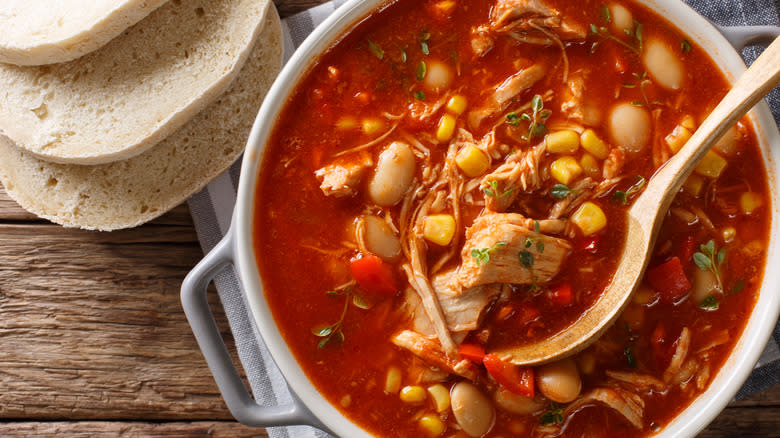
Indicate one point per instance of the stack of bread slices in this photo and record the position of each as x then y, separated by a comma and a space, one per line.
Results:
115, 111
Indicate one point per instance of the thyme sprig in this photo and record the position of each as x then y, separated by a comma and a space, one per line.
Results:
332, 333
482, 255
708, 259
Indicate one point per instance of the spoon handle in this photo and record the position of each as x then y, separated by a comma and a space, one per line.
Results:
762, 76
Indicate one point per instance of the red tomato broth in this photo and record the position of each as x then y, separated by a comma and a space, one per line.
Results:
295, 222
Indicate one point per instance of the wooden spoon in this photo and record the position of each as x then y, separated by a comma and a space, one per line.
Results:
647, 214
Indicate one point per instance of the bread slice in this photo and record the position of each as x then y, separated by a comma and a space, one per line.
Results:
128, 193
37, 32
117, 102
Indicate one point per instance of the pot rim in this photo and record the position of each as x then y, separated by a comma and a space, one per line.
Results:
701, 411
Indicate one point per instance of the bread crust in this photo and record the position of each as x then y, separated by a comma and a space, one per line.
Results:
119, 101
128, 193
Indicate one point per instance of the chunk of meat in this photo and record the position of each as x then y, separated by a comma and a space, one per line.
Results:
429, 350
503, 94
613, 165
643, 382
573, 97
503, 248
463, 308
342, 178
680, 353
529, 21
625, 403
519, 173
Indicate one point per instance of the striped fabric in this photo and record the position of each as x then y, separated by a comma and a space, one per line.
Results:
212, 208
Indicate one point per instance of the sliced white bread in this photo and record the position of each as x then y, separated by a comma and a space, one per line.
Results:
37, 32
128, 193
120, 100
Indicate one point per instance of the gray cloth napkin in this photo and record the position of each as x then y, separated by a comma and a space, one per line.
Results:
212, 208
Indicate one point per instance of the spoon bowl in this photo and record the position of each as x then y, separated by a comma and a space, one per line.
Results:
647, 214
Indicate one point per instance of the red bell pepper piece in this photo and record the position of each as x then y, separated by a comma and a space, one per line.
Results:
669, 280
561, 294
518, 380
472, 352
374, 276
687, 248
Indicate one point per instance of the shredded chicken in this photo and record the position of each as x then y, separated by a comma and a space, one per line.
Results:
519, 173
529, 21
573, 97
625, 403
342, 178
463, 308
502, 94
504, 248
642, 382
431, 352
680, 353
613, 165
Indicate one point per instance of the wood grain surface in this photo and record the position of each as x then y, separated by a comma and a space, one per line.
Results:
93, 341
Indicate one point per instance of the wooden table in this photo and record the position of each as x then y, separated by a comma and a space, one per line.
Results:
93, 341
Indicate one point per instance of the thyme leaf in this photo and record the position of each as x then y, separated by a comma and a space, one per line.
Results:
561, 191
482, 255
376, 50
709, 303
708, 259
553, 416
623, 197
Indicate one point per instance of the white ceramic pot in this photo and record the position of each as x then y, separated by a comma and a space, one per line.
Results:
309, 406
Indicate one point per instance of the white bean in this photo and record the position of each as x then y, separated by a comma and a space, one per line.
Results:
663, 65
559, 381
472, 409
629, 126
393, 176
704, 284
439, 76
381, 239
622, 20
516, 403
727, 145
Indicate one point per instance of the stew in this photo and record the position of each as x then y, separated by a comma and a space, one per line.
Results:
450, 181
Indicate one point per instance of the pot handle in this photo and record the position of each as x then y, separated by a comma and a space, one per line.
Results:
742, 36
196, 307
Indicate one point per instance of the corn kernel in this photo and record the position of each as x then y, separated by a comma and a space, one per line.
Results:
439, 229
592, 143
750, 201
565, 169
346, 122
393, 381
590, 166
432, 424
711, 165
372, 126
693, 185
412, 394
562, 142
472, 161
677, 138
590, 218
446, 128
457, 104
729, 234
688, 123
440, 396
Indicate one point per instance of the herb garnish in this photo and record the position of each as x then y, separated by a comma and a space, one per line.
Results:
512, 119
421, 71
561, 191
482, 255
526, 259
605, 14
641, 82
376, 50
629, 350
553, 416
536, 126
493, 190
623, 197
540, 247
738, 286
604, 34
710, 260
685, 46
425, 36
419, 94
537, 227
709, 303
333, 333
